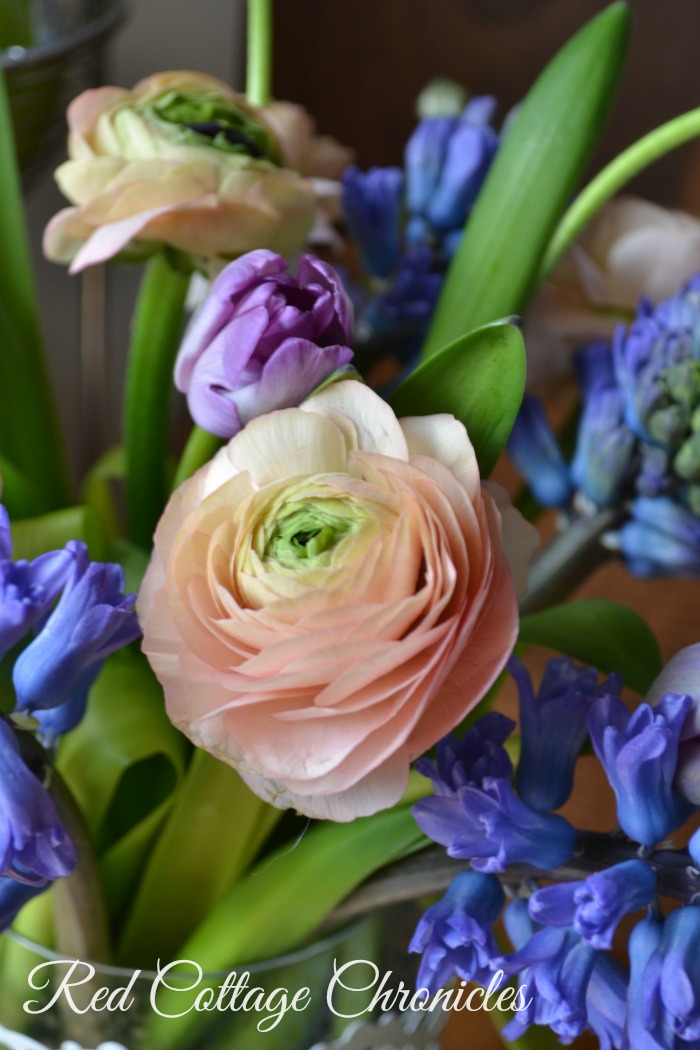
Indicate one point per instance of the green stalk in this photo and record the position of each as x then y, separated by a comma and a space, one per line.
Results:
616, 175
259, 52
154, 343
200, 448
29, 433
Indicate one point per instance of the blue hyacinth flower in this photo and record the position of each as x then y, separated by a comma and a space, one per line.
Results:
92, 619
455, 935
372, 205
639, 753
661, 536
535, 453
34, 846
468, 760
492, 828
672, 982
593, 907
554, 727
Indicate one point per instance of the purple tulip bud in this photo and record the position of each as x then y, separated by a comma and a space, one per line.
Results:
263, 340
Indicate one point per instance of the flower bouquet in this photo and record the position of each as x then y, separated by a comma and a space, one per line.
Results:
253, 677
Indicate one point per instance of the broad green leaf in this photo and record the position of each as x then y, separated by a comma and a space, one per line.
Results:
98, 490
479, 379
601, 633
536, 169
34, 536
124, 862
21, 498
285, 898
206, 843
29, 434
125, 756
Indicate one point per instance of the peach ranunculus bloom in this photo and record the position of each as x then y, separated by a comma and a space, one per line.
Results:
184, 161
329, 596
632, 248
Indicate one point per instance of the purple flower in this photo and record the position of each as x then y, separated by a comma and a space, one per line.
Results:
594, 906
639, 753
643, 945
447, 160
533, 448
671, 1009
468, 760
372, 204
34, 846
455, 936
606, 1001
604, 449
661, 536
555, 968
27, 589
262, 340
554, 727
681, 676
492, 827
92, 619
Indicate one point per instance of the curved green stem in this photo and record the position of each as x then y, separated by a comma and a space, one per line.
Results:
259, 52
612, 178
200, 448
154, 343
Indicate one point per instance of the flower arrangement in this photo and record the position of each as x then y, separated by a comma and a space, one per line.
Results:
239, 685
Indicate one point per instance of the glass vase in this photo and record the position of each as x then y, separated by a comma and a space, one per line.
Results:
43, 1007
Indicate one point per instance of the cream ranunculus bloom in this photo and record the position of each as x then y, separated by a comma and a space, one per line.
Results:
181, 160
328, 597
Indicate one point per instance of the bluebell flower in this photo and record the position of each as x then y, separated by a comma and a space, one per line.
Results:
555, 967
554, 727
28, 589
661, 536
468, 760
13, 896
34, 845
492, 828
606, 1001
373, 205
672, 982
643, 945
534, 450
594, 906
455, 935
639, 753
92, 619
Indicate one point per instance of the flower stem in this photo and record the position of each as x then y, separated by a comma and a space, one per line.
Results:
431, 871
612, 178
200, 448
567, 560
154, 343
259, 52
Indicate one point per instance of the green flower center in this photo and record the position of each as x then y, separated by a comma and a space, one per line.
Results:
305, 535
208, 119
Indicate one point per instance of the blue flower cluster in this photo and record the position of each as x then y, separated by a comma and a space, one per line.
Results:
638, 440
562, 932
74, 613
407, 221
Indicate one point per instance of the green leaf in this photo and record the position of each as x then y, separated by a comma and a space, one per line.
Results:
283, 900
200, 448
480, 379
34, 536
98, 490
201, 846
601, 633
535, 171
124, 750
29, 433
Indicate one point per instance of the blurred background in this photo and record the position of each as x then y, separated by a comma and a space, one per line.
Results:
358, 66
